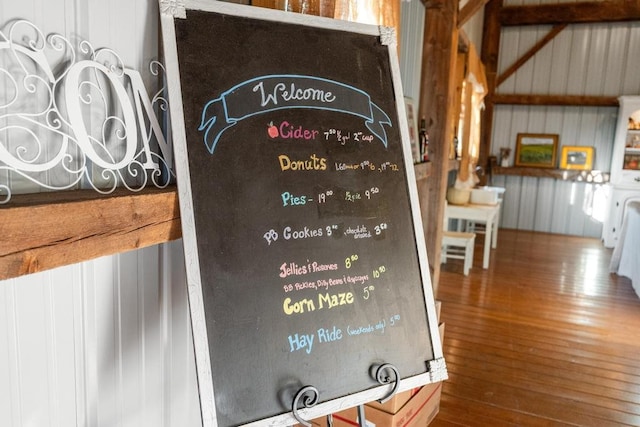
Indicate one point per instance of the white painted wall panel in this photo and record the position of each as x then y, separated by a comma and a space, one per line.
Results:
105, 342
411, 36
527, 211
509, 42
617, 48
544, 205
559, 65
630, 82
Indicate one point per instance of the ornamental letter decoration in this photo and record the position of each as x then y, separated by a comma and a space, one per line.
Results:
75, 117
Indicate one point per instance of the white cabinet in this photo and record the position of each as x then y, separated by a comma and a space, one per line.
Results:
619, 198
625, 167
625, 163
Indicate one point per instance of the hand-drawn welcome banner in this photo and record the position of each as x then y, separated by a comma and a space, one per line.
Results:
278, 92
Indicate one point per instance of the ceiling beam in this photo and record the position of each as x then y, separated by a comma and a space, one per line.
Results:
562, 100
571, 13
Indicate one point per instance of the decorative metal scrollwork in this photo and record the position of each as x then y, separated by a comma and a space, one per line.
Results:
309, 397
75, 117
386, 374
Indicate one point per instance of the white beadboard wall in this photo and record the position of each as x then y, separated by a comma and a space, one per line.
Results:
601, 60
411, 35
106, 342
101, 343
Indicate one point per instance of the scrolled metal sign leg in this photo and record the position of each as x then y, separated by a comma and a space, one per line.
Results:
309, 397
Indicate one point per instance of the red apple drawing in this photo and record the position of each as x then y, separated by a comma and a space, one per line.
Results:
272, 130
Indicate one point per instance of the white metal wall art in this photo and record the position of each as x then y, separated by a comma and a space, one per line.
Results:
73, 117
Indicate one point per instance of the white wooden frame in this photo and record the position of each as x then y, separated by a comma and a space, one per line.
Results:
176, 9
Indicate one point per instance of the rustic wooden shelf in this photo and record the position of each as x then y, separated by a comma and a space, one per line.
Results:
47, 230
422, 170
598, 177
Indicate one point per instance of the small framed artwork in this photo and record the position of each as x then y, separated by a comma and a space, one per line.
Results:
576, 158
536, 150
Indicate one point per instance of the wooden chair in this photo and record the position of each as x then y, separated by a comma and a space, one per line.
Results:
458, 245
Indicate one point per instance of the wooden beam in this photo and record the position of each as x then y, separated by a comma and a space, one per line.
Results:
468, 10
530, 53
436, 106
565, 100
489, 57
571, 13
47, 230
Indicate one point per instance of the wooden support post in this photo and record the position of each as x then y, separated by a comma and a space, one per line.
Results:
489, 56
436, 105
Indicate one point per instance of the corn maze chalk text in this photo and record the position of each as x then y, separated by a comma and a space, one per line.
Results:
324, 301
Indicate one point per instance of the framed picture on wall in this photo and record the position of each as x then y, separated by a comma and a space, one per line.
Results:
576, 158
536, 150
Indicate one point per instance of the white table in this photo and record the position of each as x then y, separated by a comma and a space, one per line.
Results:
625, 260
487, 214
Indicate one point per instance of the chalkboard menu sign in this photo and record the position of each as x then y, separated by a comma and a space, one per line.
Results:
306, 262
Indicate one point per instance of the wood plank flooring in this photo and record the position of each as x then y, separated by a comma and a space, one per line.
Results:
545, 337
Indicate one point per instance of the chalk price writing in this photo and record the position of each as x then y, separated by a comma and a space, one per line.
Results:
348, 262
343, 137
394, 319
379, 271
380, 228
322, 197
367, 291
366, 166
331, 229
371, 192
388, 166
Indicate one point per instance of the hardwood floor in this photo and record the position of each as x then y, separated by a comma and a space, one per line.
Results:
546, 336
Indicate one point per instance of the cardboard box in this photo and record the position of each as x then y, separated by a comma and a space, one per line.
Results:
396, 403
419, 411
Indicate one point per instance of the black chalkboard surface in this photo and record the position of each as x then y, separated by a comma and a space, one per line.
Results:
305, 263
